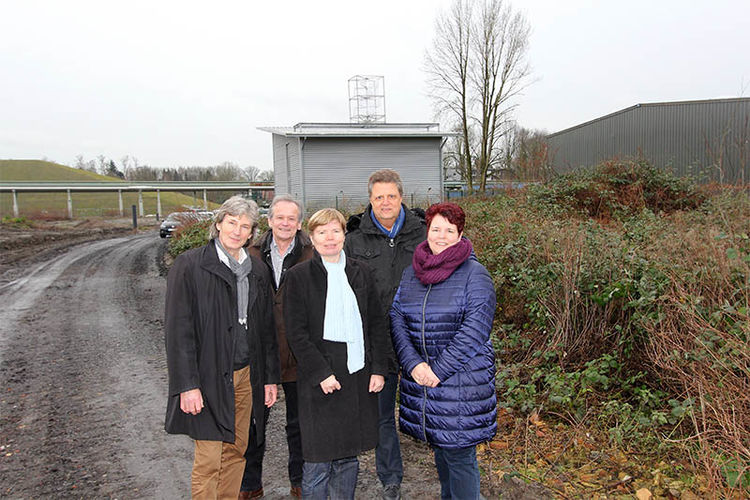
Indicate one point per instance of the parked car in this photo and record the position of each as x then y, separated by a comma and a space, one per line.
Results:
177, 219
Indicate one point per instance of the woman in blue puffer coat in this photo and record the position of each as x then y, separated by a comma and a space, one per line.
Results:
441, 320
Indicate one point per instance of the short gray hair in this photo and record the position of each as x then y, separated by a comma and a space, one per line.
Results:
236, 206
385, 175
287, 198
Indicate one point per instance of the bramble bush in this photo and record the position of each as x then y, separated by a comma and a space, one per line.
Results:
623, 298
191, 234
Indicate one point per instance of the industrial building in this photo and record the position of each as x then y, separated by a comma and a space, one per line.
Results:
709, 139
328, 164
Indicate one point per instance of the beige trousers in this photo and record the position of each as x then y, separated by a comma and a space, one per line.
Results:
218, 466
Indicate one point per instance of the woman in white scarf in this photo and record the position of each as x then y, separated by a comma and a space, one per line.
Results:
340, 340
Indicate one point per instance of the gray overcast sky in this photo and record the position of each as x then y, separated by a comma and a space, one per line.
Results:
187, 83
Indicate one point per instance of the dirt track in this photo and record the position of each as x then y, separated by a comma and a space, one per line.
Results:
83, 378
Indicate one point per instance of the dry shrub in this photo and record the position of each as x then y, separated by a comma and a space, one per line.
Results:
577, 329
711, 366
699, 345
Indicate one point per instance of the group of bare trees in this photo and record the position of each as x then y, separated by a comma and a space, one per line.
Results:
130, 169
478, 65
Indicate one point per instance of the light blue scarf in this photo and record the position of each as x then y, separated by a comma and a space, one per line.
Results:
342, 321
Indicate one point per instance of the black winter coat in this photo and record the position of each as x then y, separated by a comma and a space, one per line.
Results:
200, 315
344, 423
302, 251
386, 257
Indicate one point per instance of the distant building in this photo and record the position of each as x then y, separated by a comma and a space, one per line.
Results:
328, 164
709, 138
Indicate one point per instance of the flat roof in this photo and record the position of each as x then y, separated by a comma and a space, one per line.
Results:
360, 130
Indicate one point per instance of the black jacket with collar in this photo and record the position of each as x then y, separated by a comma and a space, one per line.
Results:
302, 251
344, 423
200, 316
387, 257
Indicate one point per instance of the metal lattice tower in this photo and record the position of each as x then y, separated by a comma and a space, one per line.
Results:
367, 99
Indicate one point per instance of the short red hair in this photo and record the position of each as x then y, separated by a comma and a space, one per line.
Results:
450, 211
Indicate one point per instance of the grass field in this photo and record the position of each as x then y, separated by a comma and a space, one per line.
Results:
52, 205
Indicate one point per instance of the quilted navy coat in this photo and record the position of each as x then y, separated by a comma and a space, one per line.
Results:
448, 325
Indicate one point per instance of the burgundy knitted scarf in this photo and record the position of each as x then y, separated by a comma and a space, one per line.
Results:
431, 269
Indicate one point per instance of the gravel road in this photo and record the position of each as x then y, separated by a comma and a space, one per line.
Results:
83, 384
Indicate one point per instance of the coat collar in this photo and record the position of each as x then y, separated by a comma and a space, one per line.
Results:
301, 240
350, 269
209, 261
364, 223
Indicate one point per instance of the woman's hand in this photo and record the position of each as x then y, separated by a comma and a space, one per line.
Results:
271, 392
376, 383
423, 375
191, 401
330, 384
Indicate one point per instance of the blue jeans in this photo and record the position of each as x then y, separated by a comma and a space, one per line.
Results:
388, 452
337, 479
253, 478
458, 471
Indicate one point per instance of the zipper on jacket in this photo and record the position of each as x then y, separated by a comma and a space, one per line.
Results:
391, 242
424, 350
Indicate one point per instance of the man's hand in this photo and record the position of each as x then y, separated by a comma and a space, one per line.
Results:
376, 383
272, 392
423, 375
330, 384
191, 401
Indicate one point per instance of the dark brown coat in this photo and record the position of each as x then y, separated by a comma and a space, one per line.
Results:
344, 423
200, 314
302, 251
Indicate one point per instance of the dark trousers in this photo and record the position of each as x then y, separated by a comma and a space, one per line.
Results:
388, 462
253, 478
336, 480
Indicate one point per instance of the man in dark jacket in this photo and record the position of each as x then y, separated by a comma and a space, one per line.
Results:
280, 248
385, 236
222, 355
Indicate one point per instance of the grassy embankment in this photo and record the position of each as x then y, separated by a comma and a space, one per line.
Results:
55, 205
621, 333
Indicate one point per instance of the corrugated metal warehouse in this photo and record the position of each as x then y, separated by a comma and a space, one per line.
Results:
709, 139
328, 164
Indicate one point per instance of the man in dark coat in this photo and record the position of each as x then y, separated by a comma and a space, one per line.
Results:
280, 248
385, 236
222, 355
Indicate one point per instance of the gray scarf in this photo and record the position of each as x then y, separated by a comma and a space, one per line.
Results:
243, 285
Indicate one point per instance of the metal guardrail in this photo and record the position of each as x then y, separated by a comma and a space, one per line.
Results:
55, 186
69, 187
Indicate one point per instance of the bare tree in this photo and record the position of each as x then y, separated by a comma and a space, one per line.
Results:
251, 173
266, 176
228, 171
102, 164
478, 64
531, 159
447, 67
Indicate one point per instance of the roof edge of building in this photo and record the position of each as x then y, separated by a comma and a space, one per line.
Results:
645, 105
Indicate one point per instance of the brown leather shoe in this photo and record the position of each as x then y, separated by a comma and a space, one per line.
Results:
247, 495
296, 491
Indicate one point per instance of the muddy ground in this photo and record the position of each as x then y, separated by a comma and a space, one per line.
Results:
83, 375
